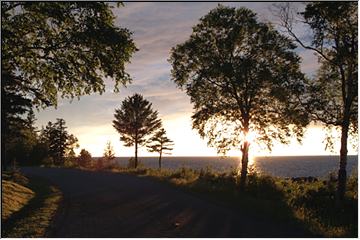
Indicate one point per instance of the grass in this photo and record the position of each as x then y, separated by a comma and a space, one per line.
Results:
312, 205
14, 198
34, 217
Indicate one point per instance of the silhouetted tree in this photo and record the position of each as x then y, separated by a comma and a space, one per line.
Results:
109, 154
63, 48
333, 93
243, 77
51, 49
39, 154
84, 159
60, 142
23, 139
160, 143
14, 108
136, 121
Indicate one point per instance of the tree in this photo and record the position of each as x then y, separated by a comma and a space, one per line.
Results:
14, 108
109, 151
243, 77
84, 159
61, 144
51, 49
136, 121
109, 154
333, 93
160, 143
23, 139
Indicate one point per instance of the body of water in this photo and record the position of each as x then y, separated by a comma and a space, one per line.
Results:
283, 166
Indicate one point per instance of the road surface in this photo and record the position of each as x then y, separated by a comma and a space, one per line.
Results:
104, 204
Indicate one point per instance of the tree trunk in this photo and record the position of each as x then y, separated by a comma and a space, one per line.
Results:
244, 164
136, 150
160, 160
343, 159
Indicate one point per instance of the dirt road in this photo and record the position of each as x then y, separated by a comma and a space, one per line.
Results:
104, 204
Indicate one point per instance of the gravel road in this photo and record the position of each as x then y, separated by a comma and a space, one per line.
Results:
104, 204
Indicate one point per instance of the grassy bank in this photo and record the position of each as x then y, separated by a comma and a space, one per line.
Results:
311, 204
29, 206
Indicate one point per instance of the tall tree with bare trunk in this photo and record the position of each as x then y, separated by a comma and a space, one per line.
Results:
160, 143
333, 93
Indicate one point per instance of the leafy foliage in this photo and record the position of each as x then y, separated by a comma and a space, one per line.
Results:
136, 121
335, 32
52, 49
242, 76
333, 94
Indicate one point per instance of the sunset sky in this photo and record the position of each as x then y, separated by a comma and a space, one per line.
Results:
156, 28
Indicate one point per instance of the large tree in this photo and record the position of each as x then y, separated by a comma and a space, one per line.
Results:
65, 49
15, 106
243, 77
57, 49
135, 120
333, 93
160, 143
24, 138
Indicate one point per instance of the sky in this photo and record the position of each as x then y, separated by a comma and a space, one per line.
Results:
157, 27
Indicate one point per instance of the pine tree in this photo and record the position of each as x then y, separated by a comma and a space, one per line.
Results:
160, 143
136, 121
61, 144
109, 154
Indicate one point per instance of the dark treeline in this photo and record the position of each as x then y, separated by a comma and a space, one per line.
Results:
52, 145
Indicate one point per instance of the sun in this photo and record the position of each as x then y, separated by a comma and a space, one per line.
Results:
251, 137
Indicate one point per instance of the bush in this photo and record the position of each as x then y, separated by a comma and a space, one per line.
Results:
263, 186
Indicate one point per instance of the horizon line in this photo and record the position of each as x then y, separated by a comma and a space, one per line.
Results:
319, 155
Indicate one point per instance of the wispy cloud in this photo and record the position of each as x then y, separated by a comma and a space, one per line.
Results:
156, 27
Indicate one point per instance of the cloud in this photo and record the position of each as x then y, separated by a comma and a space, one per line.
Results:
156, 27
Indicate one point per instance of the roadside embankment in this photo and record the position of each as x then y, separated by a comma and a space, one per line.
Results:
28, 205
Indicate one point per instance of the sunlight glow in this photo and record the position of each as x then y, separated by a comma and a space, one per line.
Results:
251, 137
188, 142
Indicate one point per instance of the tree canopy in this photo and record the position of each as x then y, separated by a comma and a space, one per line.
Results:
242, 76
52, 49
333, 93
135, 120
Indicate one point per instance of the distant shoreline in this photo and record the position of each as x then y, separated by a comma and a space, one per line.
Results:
260, 156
